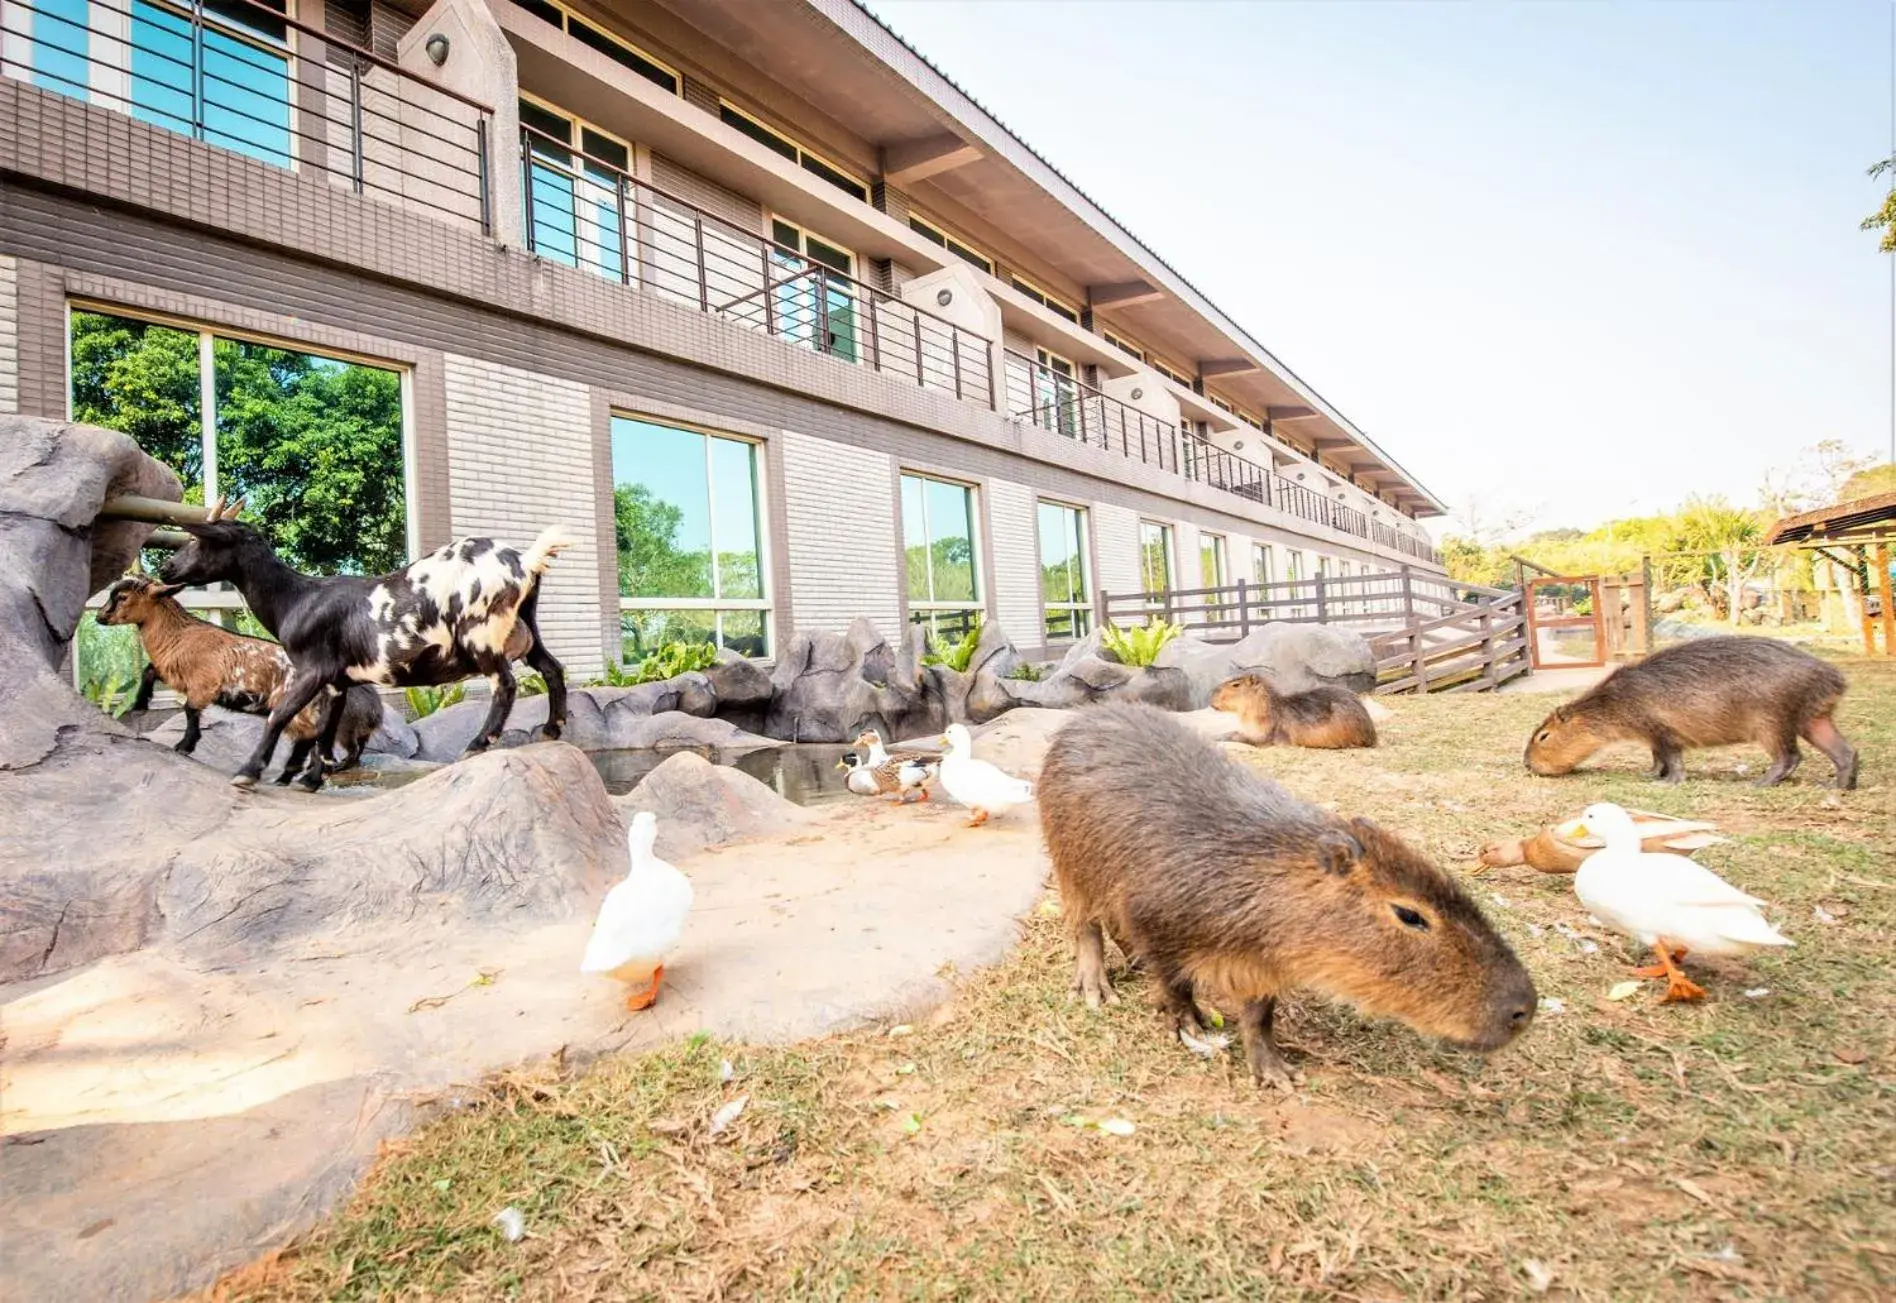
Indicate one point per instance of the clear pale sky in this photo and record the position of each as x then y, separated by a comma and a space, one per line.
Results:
1579, 259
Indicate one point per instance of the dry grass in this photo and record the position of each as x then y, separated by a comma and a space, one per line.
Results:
1743, 1148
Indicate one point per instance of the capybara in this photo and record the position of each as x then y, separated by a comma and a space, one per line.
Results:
1704, 693
1214, 876
1321, 717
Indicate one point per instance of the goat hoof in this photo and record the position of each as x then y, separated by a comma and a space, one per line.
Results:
184, 748
550, 732
244, 780
310, 782
283, 779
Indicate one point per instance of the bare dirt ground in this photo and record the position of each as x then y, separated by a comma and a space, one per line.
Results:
1012, 1145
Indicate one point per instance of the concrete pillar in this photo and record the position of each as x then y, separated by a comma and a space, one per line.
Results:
479, 64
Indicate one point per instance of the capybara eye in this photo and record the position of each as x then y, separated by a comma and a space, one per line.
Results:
1410, 918
1542, 736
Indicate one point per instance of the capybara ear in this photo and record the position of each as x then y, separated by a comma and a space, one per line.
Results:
1338, 852
1562, 714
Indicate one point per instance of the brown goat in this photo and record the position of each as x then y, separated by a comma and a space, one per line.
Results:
207, 666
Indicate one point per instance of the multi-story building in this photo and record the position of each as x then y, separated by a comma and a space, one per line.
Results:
749, 296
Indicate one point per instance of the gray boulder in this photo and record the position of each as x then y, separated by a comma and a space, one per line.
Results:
700, 804
393, 736
1297, 657
597, 719
828, 687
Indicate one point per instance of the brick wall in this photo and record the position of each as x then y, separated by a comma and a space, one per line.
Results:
840, 507
521, 458
1116, 545
1012, 534
9, 335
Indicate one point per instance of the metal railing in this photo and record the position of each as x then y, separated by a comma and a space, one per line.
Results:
1064, 404
242, 76
1427, 633
590, 215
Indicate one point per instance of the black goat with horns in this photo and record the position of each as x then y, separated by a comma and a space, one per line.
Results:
465, 609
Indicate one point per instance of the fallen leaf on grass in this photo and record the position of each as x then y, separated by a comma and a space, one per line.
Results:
1539, 1275
725, 1071
1696, 1190
728, 1114
912, 1123
1757, 992
1823, 915
901, 1029
1117, 1127
1850, 1054
1552, 1005
1623, 991
512, 1223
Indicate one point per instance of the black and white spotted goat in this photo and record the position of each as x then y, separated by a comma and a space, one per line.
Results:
465, 609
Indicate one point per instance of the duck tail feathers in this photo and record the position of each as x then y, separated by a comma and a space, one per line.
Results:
1752, 928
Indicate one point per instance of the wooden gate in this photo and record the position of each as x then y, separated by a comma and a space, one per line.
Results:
1564, 628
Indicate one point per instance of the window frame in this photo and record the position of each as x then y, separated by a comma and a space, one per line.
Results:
760, 497
804, 153
976, 551
935, 233
1175, 374
636, 50
1123, 344
1213, 547
1080, 613
1051, 302
1262, 563
624, 265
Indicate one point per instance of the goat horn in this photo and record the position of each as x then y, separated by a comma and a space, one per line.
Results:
236, 510
217, 510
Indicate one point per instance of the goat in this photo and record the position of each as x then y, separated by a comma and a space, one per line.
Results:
464, 609
207, 665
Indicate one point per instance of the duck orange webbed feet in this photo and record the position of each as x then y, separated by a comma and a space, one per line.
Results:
1678, 986
646, 998
980, 817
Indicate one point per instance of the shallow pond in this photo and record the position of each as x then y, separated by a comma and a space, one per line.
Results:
803, 772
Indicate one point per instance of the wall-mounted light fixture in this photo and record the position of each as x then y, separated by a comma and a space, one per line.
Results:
1137, 394
436, 48
944, 297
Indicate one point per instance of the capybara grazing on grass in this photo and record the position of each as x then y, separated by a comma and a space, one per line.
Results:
1324, 716
1216, 877
1705, 693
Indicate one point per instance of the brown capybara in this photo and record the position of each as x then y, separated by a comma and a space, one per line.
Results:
1324, 716
1215, 876
1704, 693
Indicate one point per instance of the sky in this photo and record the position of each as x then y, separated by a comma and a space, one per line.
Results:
1563, 261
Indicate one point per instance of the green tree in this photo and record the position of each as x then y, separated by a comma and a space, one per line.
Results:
1871, 480
651, 564
315, 449
1884, 218
141, 380
1728, 536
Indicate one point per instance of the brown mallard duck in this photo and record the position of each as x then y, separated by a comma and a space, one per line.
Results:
1551, 851
878, 773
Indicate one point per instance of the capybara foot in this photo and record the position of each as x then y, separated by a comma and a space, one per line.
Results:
1095, 991
1846, 779
1271, 1072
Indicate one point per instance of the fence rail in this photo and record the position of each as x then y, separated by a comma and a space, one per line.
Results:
587, 214
1437, 635
245, 77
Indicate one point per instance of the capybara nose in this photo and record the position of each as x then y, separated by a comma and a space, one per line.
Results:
1520, 1016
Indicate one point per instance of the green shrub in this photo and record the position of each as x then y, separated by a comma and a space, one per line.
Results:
1025, 672
112, 695
530, 685
1139, 645
423, 702
668, 662
960, 653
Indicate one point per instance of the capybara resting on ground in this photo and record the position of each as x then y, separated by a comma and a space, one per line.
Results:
1215, 876
1705, 693
1321, 717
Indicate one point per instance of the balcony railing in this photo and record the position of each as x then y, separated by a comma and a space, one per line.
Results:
1054, 401
243, 76
590, 215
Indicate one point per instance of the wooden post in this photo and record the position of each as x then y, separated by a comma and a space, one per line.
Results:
1323, 612
1488, 669
1244, 610
1408, 594
1863, 588
1883, 592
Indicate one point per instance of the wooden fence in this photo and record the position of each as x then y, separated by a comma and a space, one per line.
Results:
1437, 635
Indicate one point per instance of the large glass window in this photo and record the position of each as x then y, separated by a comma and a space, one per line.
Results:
1211, 560
1056, 394
686, 513
313, 445
221, 73
810, 308
929, 231
1261, 563
938, 541
576, 211
815, 164
1155, 556
1065, 592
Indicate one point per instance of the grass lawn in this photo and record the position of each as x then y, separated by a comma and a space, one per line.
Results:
1741, 1148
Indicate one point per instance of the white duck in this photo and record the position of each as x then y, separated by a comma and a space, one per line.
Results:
1664, 901
641, 919
980, 786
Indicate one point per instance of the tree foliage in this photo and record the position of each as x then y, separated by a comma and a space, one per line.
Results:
1868, 481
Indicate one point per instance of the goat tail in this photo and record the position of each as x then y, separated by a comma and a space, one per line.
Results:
552, 541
